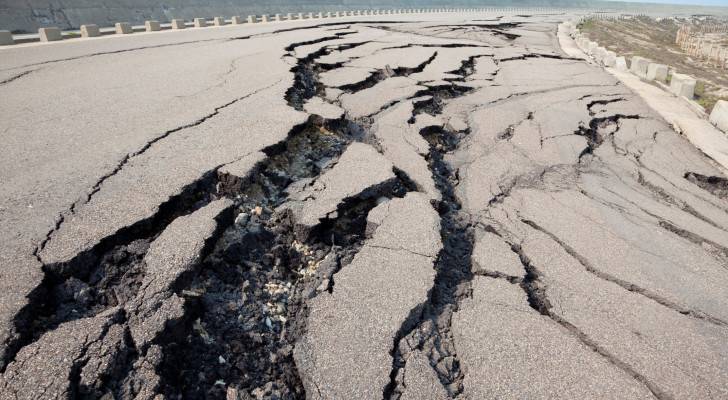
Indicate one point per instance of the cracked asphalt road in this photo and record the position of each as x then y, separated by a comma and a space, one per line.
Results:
406, 207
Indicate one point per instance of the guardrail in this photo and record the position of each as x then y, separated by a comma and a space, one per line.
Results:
51, 34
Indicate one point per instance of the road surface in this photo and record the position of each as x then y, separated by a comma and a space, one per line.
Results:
404, 207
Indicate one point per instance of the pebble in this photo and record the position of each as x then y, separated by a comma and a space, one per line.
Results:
242, 219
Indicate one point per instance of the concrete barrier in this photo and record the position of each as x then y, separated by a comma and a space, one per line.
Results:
300, 15
252, 19
719, 116
123, 28
152, 26
90, 30
200, 22
583, 43
310, 15
6, 38
657, 72
277, 17
620, 63
50, 34
610, 60
264, 18
236, 20
591, 47
682, 85
218, 21
639, 66
178, 24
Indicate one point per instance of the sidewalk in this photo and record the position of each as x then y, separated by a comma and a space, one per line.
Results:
701, 133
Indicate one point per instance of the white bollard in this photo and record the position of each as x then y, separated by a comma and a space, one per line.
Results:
90, 30
236, 20
683, 85
591, 47
252, 19
123, 28
610, 59
264, 18
620, 63
200, 22
639, 66
6, 38
178, 24
277, 17
50, 34
719, 116
218, 21
152, 26
657, 72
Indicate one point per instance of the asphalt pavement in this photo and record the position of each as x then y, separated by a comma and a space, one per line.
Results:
419, 206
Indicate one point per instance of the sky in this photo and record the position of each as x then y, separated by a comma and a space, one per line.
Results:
692, 2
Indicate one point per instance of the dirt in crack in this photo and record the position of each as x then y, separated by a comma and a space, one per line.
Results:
717, 185
247, 302
305, 73
600, 129
428, 327
105, 276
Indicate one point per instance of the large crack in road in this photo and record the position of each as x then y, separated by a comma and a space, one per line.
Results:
408, 210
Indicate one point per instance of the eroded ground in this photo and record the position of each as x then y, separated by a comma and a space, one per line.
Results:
367, 209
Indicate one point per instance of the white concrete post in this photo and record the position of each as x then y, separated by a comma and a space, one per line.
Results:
236, 20
639, 66
252, 19
264, 18
219, 21
200, 22
123, 28
620, 63
683, 85
610, 60
152, 26
178, 24
90, 30
6, 38
657, 72
50, 34
277, 17
719, 116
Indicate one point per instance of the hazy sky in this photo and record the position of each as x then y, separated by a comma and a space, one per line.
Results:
694, 2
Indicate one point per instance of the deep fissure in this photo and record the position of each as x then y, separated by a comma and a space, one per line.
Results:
427, 328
